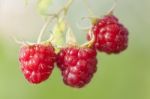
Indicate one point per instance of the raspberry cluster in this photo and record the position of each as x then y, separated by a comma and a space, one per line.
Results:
77, 63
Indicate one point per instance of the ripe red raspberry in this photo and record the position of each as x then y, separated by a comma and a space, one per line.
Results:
37, 62
77, 65
110, 35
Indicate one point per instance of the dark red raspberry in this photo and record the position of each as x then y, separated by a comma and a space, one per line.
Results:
77, 65
110, 35
37, 61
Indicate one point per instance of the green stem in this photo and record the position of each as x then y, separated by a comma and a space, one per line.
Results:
44, 28
50, 18
89, 43
110, 12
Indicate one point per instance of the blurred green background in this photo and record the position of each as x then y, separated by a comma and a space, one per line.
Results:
123, 76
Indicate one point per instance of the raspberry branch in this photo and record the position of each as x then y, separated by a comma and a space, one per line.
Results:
53, 16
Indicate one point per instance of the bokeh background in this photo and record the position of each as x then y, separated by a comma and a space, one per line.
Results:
123, 76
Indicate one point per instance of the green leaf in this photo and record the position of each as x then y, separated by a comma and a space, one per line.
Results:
43, 5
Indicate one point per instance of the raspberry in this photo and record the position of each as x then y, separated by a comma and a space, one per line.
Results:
77, 65
110, 35
37, 62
